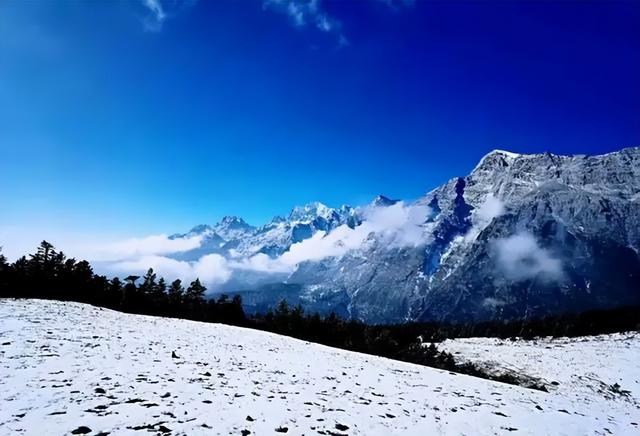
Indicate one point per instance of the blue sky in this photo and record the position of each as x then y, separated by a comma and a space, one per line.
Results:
139, 117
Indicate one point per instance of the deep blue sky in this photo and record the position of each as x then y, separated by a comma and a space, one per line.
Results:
114, 121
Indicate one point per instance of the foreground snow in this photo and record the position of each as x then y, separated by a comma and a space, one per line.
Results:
67, 365
593, 369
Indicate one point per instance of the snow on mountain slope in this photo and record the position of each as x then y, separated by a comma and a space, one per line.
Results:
69, 365
588, 369
521, 236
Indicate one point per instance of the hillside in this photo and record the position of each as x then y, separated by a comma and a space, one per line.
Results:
66, 366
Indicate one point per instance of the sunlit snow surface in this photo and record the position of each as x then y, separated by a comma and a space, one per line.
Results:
588, 369
57, 359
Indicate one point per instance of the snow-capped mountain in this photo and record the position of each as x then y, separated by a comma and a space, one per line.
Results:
234, 237
520, 236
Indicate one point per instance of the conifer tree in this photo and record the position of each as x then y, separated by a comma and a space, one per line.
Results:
176, 292
195, 292
148, 283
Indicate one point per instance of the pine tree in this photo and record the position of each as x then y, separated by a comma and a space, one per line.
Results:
176, 293
148, 283
161, 287
131, 279
115, 293
44, 253
195, 292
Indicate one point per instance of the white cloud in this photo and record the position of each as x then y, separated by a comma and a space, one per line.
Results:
491, 208
158, 11
303, 13
211, 269
396, 225
137, 247
520, 257
261, 263
154, 20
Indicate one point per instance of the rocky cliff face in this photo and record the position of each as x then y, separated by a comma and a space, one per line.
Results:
520, 236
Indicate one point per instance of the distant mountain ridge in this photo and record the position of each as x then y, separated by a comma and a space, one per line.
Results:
522, 235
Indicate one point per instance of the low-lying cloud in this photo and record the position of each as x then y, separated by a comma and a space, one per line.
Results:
398, 225
211, 269
491, 208
139, 247
519, 257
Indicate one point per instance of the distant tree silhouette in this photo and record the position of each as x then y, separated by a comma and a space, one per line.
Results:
148, 283
195, 292
4, 274
131, 279
176, 293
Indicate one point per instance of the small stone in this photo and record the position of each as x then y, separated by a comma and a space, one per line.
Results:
81, 430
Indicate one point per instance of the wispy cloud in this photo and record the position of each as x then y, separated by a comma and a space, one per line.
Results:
520, 257
492, 207
147, 246
156, 15
158, 11
308, 13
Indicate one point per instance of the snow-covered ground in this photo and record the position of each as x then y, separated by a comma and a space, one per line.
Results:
590, 370
64, 366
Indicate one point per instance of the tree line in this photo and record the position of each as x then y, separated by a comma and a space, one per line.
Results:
50, 274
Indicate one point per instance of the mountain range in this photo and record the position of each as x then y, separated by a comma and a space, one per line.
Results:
521, 236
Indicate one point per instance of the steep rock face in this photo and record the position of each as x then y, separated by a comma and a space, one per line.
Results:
569, 223
520, 236
580, 212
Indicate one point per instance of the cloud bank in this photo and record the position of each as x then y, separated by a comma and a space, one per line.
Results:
398, 225
211, 269
519, 257
138, 247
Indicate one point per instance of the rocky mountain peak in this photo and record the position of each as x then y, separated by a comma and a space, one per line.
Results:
381, 200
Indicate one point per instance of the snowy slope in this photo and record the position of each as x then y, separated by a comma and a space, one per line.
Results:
585, 369
67, 365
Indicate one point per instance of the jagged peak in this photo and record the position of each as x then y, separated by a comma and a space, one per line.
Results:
382, 200
232, 219
507, 156
309, 210
277, 219
201, 228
